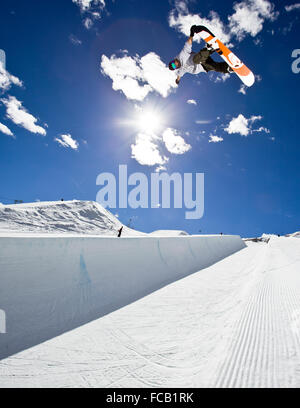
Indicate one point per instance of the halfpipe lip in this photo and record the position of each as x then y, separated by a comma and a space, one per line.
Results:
56, 235
51, 284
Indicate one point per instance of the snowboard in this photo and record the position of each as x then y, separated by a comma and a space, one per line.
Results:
242, 71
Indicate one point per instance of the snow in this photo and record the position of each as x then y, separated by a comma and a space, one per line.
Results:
264, 238
51, 284
84, 308
169, 233
296, 234
80, 217
233, 324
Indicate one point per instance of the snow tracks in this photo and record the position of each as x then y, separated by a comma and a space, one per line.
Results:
265, 346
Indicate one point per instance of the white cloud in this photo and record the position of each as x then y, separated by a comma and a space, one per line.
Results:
67, 141
242, 89
262, 129
191, 102
74, 40
182, 20
254, 118
136, 76
146, 149
6, 79
4, 129
175, 143
238, 125
249, 16
216, 77
158, 170
215, 139
146, 152
91, 10
157, 74
88, 22
125, 74
292, 7
258, 42
203, 122
96, 15
20, 116
242, 125
86, 5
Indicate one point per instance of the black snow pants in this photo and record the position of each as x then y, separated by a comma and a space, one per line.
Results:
203, 58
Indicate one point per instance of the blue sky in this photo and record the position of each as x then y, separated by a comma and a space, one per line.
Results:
80, 74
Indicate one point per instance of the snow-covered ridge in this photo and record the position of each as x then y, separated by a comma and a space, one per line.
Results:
81, 217
266, 237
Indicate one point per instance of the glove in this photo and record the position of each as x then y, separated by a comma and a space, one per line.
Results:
193, 30
177, 81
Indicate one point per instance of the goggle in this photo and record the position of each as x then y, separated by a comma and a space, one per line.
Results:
173, 65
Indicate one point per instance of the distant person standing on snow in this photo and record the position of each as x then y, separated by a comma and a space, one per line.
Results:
120, 232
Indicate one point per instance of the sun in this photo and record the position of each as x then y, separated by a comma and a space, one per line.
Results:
149, 121
146, 119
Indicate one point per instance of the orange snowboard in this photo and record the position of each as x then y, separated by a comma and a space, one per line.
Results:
242, 71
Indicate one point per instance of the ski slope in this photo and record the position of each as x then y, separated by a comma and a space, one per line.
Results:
233, 324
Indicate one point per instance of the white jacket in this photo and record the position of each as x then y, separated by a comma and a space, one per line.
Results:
186, 61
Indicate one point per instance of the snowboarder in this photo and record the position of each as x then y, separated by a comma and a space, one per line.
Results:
194, 63
120, 232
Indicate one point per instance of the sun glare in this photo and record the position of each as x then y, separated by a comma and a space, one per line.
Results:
148, 121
